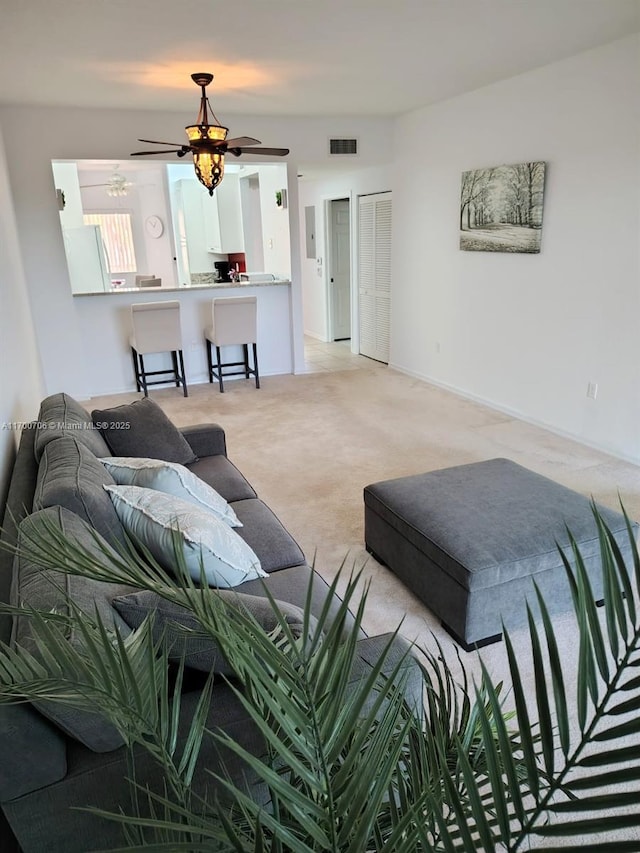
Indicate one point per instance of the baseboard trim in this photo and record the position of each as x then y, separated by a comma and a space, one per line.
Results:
512, 413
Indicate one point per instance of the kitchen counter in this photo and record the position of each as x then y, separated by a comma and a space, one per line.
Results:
105, 326
156, 291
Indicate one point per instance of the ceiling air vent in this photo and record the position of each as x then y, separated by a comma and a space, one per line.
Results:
343, 146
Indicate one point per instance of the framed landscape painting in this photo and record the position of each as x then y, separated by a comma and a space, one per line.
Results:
501, 208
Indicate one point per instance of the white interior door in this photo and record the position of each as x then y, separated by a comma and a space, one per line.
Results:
340, 270
374, 275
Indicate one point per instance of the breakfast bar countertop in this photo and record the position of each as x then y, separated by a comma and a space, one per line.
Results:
217, 285
105, 326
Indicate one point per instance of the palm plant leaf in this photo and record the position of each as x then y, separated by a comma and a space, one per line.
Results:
458, 775
606, 654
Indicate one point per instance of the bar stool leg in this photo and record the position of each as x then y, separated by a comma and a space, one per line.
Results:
183, 374
245, 349
209, 359
255, 364
143, 376
219, 360
136, 372
174, 362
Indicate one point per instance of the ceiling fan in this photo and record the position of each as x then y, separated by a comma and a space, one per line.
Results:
116, 184
208, 143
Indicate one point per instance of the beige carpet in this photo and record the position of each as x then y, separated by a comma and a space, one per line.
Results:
310, 443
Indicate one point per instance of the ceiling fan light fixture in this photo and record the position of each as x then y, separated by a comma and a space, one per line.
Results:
209, 169
208, 142
118, 185
208, 164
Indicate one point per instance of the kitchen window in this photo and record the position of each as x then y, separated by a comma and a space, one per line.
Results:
117, 237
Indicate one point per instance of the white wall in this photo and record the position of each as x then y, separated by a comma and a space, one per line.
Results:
20, 379
77, 134
526, 333
66, 179
315, 193
275, 222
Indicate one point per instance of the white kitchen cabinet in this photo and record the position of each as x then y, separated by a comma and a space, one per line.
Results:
223, 217
211, 219
191, 243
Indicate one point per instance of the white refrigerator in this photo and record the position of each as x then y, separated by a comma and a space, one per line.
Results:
86, 259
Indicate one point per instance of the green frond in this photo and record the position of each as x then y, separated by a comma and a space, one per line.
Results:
348, 764
557, 677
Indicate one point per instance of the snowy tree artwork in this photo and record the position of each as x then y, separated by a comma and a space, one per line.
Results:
501, 208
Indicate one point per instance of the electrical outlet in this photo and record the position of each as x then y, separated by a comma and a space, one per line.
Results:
437, 346
592, 390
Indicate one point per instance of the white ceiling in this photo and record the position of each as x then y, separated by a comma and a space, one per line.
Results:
288, 57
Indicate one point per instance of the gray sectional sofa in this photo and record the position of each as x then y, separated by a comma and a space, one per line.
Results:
54, 758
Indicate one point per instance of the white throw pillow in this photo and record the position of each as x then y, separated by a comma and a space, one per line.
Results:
207, 542
171, 478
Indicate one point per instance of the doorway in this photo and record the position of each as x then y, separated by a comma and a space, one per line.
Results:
339, 269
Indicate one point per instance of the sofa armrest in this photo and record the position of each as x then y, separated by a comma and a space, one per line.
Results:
18, 506
409, 675
206, 439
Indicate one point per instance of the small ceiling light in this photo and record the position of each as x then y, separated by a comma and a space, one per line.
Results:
118, 185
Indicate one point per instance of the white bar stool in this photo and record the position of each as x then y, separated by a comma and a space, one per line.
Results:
234, 322
156, 328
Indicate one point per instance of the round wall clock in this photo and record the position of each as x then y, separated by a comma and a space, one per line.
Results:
154, 226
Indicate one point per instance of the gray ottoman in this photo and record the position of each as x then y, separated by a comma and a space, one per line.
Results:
469, 541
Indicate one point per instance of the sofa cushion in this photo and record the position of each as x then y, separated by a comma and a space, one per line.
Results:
263, 532
184, 633
61, 415
172, 479
161, 523
142, 429
223, 476
49, 590
298, 584
69, 475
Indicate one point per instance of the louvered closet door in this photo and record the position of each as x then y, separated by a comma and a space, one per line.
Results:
374, 275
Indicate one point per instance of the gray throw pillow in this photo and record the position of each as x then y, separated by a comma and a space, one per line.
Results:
47, 590
69, 475
184, 634
142, 429
61, 415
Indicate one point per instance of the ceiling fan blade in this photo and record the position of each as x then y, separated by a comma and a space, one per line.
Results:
88, 186
273, 152
169, 151
173, 144
241, 141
